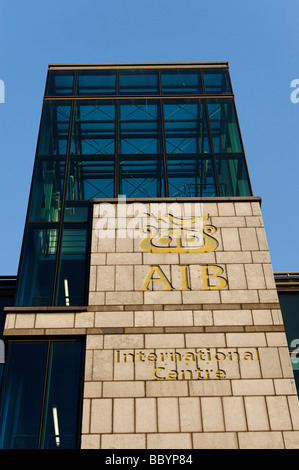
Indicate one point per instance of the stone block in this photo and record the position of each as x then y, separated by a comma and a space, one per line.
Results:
101, 416
248, 237
256, 413
212, 414
260, 440
123, 441
146, 415
123, 415
214, 441
190, 414
234, 414
125, 389
279, 415
168, 415
169, 441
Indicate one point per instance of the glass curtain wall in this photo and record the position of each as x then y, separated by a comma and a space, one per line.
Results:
41, 395
142, 133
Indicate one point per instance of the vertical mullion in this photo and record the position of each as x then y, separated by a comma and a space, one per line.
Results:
162, 129
211, 147
45, 392
58, 252
116, 146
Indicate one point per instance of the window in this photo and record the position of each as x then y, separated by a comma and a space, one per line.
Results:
139, 127
181, 82
90, 178
93, 82
138, 82
53, 137
53, 268
37, 271
93, 128
141, 178
191, 177
185, 126
224, 126
60, 82
47, 190
232, 176
41, 395
216, 81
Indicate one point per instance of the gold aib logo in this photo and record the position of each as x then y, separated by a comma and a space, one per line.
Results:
170, 234
179, 236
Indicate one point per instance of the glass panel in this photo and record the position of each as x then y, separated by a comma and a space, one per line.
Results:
181, 82
232, 176
139, 127
224, 127
191, 177
38, 266
62, 397
54, 128
289, 302
93, 128
60, 82
90, 178
72, 266
141, 178
94, 82
138, 82
47, 190
23, 386
185, 127
41, 380
216, 81
76, 212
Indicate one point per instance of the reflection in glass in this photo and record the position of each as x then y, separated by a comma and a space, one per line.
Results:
96, 82
216, 81
72, 266
53, 137
90, 178
138, 82
93, 128
76, 211
224, 126
141, 178
60, 82
62, 397
139, 127
47, 190
36, 279
232, 176
181, 81
191, 177
41, 395
21, 404
185, 127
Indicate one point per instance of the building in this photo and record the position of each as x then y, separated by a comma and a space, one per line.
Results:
146, 313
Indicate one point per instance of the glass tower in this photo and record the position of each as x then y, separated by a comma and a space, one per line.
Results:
145, 131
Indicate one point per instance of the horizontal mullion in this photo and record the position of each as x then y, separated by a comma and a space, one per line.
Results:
134, 97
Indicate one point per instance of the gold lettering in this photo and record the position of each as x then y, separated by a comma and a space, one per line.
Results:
220, 374
172, 374
155, 373
162, 278
189, 356
184, 276
222, 282
152, 357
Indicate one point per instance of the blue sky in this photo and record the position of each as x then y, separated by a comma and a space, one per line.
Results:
259, 39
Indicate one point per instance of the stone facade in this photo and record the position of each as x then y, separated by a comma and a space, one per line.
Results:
184, 349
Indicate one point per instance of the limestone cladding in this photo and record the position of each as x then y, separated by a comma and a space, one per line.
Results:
185, 348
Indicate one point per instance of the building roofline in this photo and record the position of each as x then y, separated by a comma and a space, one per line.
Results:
164, 65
